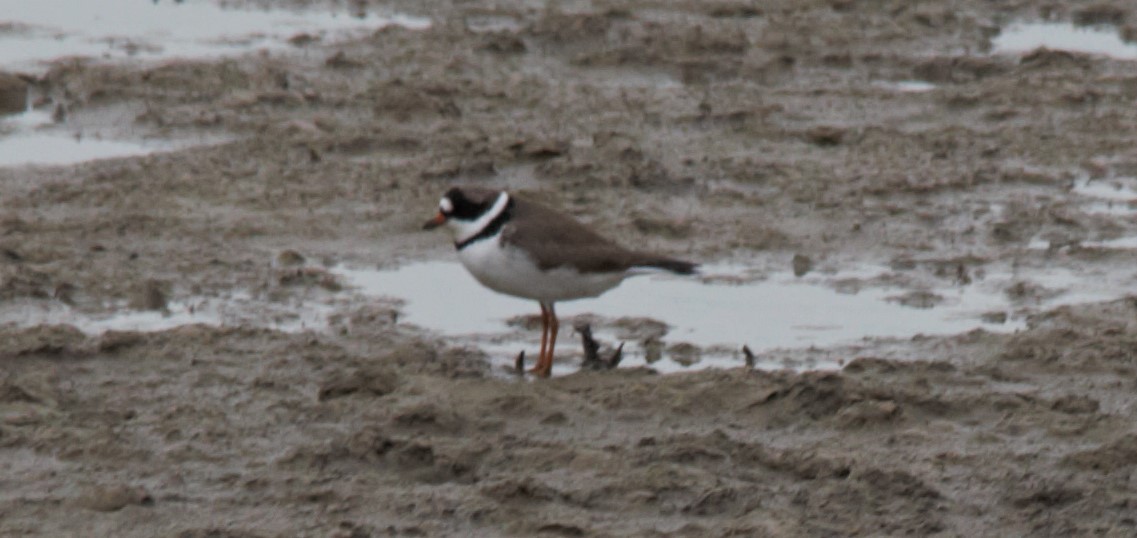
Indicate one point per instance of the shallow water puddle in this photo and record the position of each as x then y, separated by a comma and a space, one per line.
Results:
492, 22
237, 309
712, 313
674, 323
59, 148
909, 86
780, 311
1116, 196
44, 30
1121, 243
1117, 189
32, 33
32, 138
718, 315
1025, 37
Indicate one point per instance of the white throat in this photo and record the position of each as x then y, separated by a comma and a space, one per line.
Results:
464, 230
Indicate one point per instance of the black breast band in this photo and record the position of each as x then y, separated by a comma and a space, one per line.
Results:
491, 228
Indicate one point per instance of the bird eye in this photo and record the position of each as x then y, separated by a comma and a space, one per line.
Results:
445, 206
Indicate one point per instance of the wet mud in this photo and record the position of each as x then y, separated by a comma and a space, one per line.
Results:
791, 136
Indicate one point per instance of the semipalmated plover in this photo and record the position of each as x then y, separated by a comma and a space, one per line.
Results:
521, 248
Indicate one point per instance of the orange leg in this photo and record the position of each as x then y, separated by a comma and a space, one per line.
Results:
544, 341
554, 325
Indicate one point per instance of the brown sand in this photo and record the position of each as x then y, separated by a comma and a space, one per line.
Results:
719, 130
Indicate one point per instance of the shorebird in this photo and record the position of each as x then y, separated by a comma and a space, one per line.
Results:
521, 248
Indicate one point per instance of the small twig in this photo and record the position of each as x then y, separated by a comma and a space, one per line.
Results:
519, 364
591, 348
617, 356
592, 360
749, 356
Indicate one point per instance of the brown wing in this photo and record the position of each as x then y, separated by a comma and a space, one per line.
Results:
555, 239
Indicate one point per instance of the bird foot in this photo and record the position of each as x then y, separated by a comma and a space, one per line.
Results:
540, 372
519, 367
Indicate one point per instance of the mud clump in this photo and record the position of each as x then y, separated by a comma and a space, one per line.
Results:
152, 295
372, 383
113, 498
13, 94
42, 341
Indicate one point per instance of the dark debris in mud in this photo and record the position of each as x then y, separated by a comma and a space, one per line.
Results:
592, 359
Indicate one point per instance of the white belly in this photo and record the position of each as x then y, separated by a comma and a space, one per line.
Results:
512, 272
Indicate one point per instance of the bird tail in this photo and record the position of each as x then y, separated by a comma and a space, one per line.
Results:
678, 267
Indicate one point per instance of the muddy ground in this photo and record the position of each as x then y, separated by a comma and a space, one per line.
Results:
727, 130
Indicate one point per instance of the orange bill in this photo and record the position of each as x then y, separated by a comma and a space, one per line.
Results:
437, 221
